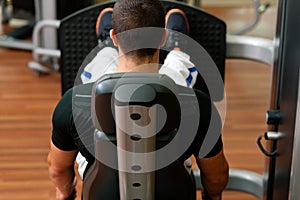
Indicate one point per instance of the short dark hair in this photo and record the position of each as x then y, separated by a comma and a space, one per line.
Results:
136, 14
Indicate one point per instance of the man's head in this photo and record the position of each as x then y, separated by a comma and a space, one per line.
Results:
129, 17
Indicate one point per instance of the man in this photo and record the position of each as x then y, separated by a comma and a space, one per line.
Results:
65, 143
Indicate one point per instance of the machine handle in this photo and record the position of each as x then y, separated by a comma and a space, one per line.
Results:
269, 135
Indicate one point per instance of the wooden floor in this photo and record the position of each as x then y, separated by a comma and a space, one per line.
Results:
27, 102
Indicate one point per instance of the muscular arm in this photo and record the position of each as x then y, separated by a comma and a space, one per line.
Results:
61, 171
214, 174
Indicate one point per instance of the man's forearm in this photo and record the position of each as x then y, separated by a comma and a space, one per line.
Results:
214, 175
61, 171
64, 180
213, 187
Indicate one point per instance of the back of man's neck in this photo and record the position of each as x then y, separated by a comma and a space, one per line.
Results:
148, 65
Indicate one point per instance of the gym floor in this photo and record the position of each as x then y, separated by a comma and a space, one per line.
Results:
27, 102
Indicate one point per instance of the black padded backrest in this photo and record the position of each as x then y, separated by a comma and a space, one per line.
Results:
105, 88
129, 94
77, 38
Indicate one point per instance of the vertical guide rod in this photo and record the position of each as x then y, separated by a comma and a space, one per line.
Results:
294, 193
274, 97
